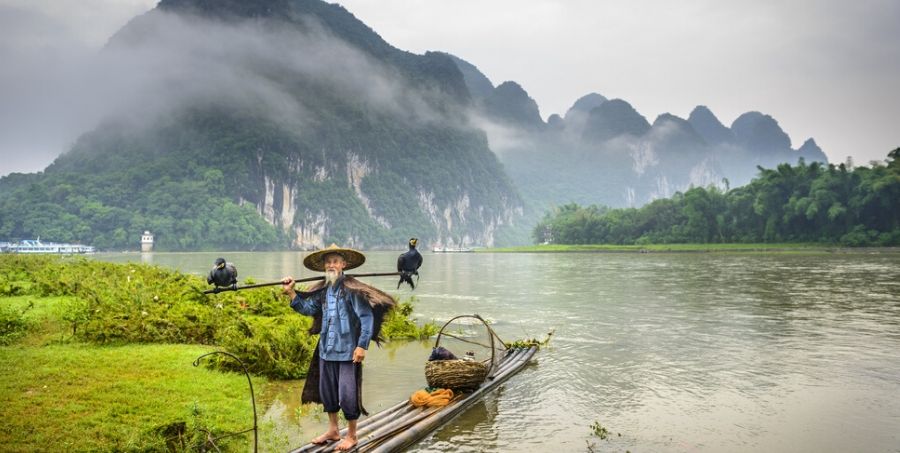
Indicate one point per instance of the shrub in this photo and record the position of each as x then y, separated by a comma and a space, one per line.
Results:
133, 303
277, 347
73, 311
13, 323
859, 236
398, 325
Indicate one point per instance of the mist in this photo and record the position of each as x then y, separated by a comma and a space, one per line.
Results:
163, 63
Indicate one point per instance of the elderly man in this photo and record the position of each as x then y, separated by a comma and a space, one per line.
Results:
348, 314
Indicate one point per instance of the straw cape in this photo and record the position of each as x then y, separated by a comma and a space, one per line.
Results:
316, 261
381, 303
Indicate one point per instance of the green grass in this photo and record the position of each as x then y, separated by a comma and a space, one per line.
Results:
758, 247
121, 392
83, 397
41, 307
42, 314
61, 394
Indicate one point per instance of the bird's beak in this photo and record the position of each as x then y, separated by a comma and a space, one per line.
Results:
220, 266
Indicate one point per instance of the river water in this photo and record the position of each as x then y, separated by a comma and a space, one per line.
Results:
711, 352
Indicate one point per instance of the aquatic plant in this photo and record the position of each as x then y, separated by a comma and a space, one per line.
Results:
599, 430
530, 342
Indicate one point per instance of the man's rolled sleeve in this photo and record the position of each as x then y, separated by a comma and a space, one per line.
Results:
306, 306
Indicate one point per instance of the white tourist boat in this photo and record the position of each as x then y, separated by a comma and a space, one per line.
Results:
36, 246
439, 249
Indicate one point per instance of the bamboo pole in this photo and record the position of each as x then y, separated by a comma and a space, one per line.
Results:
218, 289
366, 422
361, 432
414, 418
393, 426
402, 424
408, 419
416, 432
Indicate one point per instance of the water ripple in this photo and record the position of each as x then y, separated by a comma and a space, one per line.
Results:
675, 352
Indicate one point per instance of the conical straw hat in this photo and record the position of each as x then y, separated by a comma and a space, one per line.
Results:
316, 260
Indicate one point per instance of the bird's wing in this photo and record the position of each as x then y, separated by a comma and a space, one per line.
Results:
403, 262
418, 260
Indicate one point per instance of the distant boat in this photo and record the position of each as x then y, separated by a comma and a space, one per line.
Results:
437, 249
36, 246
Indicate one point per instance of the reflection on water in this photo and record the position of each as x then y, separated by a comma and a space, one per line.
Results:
478, 421
675, 352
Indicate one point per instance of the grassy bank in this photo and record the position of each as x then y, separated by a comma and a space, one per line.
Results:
80, 397
98, 357
684, 248
62, 393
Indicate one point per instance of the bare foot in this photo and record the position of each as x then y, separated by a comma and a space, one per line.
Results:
346, 444
325, 438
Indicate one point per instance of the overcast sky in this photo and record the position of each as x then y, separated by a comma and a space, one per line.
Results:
828, 69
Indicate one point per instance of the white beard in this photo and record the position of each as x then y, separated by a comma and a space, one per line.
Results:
331, 277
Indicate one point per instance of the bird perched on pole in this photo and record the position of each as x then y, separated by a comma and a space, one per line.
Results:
223, 275
408, 264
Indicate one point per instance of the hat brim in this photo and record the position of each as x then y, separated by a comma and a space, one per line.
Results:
316, 261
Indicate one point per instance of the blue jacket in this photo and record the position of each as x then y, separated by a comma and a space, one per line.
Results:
346, 321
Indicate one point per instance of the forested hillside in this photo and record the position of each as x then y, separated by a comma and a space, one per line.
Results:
260, 124
801, 203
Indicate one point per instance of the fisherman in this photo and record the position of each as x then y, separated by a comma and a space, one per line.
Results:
347, 315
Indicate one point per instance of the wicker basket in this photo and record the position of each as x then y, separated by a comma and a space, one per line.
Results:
455, 374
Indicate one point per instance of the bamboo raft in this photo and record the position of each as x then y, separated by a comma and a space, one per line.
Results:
403, 424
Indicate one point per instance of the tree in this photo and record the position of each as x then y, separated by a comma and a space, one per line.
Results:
812, 203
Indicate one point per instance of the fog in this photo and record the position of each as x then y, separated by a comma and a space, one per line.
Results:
52, 93
826, 70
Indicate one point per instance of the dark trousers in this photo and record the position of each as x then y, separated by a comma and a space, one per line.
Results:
338, 388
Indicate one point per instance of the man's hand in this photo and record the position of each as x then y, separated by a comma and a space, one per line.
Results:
287, 287
359, 354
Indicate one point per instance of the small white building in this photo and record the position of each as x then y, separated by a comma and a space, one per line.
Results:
146, 242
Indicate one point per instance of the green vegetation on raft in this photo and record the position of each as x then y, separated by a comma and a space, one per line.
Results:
530, 342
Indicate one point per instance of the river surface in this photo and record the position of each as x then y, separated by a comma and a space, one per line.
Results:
704, 352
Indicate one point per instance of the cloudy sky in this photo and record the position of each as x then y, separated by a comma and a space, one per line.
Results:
828, 69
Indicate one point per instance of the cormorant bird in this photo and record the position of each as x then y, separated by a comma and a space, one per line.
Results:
223, 275
408, 264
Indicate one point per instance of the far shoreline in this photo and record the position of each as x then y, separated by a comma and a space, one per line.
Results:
573, 248
690, 248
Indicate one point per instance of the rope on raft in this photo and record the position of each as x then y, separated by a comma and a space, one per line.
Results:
437, 398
